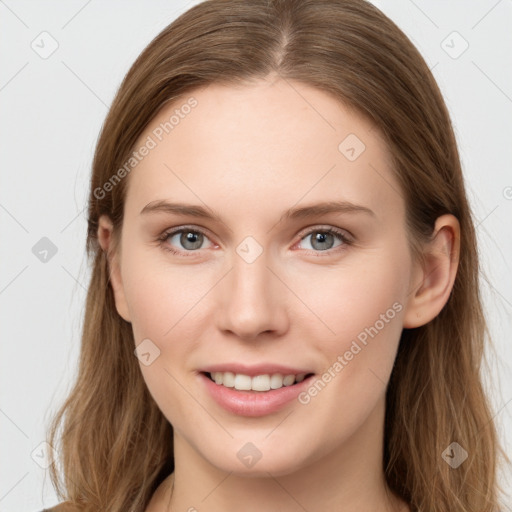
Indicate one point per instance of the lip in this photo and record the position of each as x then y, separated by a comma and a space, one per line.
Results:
253, 403
253, 370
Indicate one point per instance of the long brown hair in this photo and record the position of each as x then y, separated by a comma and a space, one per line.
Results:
114, 444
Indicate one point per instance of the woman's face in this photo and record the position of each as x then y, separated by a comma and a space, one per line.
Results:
292, 259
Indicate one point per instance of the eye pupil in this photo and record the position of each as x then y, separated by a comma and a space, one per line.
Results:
321, 237
191, 237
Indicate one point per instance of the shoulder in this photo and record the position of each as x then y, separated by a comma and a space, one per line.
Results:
61, 507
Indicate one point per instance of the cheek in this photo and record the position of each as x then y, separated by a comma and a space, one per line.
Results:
164, 303
362, 304
365, 312
363, 293
368, 302
161, 297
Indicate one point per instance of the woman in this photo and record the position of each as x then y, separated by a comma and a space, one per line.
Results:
284, 311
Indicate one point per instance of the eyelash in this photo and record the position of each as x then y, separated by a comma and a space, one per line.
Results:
329, 230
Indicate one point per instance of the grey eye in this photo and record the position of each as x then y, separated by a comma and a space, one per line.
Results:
322, 240
188, 239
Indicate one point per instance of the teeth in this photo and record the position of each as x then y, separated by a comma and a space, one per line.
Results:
242, 382
276, 381
260, 383
266, 382
228, 379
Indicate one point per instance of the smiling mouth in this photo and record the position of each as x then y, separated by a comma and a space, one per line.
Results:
258, 383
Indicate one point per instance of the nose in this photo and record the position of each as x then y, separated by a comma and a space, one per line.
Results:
252, 300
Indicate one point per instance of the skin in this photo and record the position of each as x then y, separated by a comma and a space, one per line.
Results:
249, 153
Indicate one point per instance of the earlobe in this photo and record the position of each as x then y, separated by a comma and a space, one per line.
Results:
105, 231
431, 291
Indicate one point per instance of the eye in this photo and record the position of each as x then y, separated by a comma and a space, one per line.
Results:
324, 239
185, 239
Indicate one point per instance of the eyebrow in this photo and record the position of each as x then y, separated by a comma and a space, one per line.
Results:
302, 212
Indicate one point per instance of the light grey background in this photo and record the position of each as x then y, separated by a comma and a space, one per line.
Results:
51, 113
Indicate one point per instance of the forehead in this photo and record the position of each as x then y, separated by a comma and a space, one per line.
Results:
280, 141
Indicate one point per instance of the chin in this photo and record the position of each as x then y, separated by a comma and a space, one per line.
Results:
251, 462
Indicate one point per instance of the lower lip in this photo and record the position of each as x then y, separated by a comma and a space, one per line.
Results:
253, 403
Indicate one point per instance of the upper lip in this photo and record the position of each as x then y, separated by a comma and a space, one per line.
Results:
253, 370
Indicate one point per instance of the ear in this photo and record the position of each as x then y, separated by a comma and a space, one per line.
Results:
433, 280
105, 230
